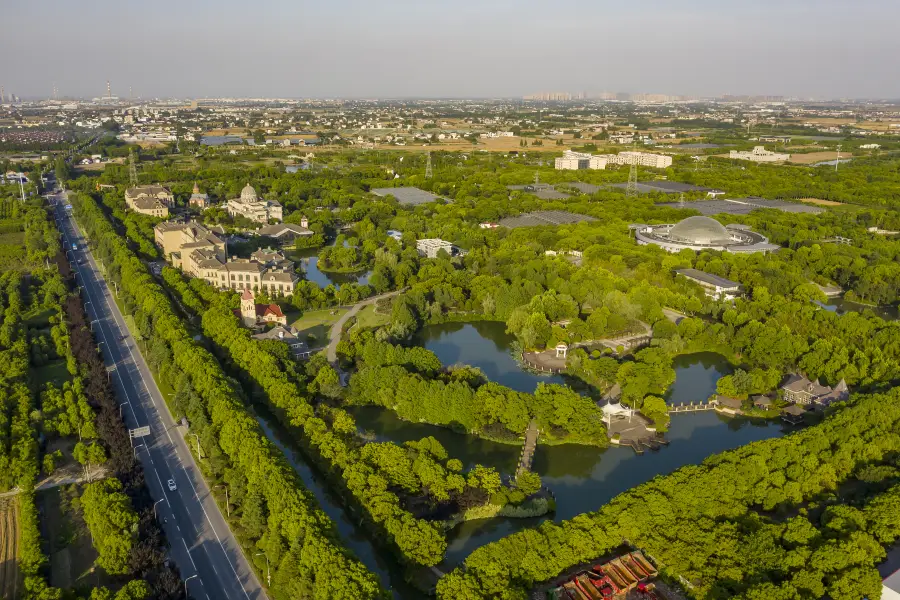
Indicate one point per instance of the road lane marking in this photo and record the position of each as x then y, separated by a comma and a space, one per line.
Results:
189, 553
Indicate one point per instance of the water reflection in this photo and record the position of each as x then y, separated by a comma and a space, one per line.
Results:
308, 259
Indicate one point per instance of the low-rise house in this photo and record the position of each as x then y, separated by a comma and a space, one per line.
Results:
713, 285
152, 200
762, 402
285, 233
298, 347
798, 389
793, 414
728, 405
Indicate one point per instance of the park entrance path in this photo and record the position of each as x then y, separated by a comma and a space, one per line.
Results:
334, 334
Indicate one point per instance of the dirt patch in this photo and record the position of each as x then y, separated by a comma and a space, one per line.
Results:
820, 202
814, 157
9, 548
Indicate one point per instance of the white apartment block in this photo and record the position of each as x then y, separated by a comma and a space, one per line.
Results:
579, 160
759, 154
430, 247
643, 159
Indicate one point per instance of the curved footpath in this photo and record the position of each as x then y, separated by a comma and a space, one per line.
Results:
334, 334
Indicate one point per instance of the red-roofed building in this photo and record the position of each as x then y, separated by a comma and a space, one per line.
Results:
255, 314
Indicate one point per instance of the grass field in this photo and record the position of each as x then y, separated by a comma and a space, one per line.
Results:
13, 239
367, 317
317, 323
55, 371
9, 548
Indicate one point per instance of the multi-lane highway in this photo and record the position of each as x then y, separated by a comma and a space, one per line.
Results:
211, 562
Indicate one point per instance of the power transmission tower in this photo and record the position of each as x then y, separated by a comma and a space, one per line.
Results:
681, 201
108, 90
132, 168
428, 171
631, 189
537, 178
837, 161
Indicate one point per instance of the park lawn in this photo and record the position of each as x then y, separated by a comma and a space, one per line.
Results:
317, 323
367, 317
55, 371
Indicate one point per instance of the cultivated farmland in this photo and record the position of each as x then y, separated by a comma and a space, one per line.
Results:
9, 547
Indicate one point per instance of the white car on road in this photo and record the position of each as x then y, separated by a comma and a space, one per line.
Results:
172, 485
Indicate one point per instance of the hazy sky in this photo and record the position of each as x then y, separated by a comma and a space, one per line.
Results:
456, 48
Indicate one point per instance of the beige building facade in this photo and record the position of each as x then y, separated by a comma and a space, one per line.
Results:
152, 200
252, 207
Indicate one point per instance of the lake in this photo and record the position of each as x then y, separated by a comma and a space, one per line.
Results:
583, 478
309, 260
842, 306
482, 344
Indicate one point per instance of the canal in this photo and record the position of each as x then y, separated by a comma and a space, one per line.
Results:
842, 306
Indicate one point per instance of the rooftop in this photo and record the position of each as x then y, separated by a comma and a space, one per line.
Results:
742, 206
707, 278
408, 196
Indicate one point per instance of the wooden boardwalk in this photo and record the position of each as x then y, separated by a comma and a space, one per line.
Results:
531, 438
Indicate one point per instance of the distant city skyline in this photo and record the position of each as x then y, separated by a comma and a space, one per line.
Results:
821, 49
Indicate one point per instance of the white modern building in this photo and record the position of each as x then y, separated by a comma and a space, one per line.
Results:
702, 233
429, 247
759, 154
642, 159
580, 160
714, 286
253, 207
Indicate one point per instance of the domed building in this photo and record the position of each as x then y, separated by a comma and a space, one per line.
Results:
702, 233
251, 206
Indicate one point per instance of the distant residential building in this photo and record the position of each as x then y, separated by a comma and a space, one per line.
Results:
152, 200
759, 154
179, 239
488, 225
777, 139
621, 138
798, 389
870, 146
713, 285
430, 247
252, 207
643, 159
579, 160
253, 314
199, 200
285, 233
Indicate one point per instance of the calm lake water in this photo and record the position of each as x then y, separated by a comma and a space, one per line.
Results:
841, 306
482, 344
582, 478
309, 260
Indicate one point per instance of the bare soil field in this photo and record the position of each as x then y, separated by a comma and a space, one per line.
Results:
814, 157
820, 201
9, 548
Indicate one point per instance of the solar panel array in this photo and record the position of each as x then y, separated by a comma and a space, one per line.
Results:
666, 187
544, 217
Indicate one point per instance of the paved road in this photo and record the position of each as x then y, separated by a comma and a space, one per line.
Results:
201, 544
334, 334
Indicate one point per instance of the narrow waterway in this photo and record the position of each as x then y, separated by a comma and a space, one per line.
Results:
842, 306
377, 560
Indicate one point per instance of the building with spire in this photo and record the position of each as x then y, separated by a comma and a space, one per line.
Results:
253, 314
198, 200
252, 207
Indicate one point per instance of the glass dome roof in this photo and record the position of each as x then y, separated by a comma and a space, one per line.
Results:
700, 230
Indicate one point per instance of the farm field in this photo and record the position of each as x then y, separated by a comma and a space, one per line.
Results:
9, 547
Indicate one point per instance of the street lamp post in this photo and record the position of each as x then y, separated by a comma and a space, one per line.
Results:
268, 573
92, 323
154, 506
185, 583
121, 406
136, 449
227, 504
196, 437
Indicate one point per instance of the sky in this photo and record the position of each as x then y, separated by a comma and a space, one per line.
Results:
454, 49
